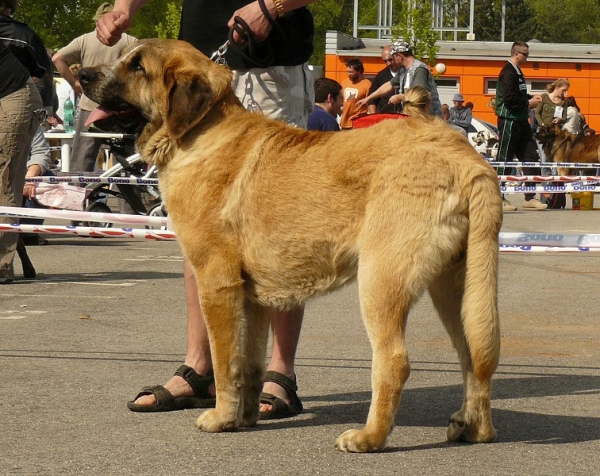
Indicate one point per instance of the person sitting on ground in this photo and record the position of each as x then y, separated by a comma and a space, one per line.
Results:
460, 115
328, 106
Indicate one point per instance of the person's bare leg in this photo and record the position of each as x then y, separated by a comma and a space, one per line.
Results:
286, 326
198, 348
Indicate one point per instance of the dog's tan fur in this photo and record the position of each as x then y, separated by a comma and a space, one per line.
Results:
562, 146
270, 215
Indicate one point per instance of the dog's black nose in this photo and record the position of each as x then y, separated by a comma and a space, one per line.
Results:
87, 75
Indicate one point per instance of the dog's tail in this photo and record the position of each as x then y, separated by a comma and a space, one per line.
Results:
480, 301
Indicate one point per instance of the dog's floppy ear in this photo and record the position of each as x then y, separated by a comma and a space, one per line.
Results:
190, 95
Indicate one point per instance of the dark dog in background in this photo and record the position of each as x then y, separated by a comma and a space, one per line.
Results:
562, 146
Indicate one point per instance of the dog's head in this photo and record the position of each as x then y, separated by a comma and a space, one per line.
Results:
154, 85
548, 134
482, 137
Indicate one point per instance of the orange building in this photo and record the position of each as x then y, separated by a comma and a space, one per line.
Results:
472, 67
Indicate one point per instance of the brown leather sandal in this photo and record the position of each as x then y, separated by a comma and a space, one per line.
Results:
280, 408
166, 402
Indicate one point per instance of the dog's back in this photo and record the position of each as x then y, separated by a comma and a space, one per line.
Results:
319, 190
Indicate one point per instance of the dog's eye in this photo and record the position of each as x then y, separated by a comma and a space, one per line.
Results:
136, 64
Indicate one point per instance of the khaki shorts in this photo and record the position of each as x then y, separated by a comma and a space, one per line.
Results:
285, 93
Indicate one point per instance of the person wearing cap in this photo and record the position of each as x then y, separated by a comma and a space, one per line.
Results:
460, 115
415, 73
88, 51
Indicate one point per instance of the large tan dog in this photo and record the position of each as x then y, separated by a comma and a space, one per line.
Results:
562, 146
270, 215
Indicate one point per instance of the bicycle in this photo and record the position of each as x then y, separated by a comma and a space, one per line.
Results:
141, 199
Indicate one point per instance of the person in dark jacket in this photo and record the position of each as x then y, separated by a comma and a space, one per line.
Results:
512, 108
20, 104
26, 45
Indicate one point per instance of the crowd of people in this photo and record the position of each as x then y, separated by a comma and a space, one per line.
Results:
281, 89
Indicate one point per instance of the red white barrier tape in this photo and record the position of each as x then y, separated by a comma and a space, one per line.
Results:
509, 242
567, 165
88, 179
83, 216
549, 188
91, 231
593, 179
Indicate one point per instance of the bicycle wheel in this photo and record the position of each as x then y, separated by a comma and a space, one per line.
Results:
97, 207
157, 211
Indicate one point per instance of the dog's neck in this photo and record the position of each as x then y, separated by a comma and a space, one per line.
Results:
157, 146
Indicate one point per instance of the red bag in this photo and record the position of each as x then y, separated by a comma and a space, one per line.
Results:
367, 120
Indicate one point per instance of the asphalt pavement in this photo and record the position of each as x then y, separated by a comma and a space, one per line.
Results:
106, 317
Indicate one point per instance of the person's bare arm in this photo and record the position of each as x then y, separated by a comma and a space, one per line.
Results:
113, 24
384, 89
63, 68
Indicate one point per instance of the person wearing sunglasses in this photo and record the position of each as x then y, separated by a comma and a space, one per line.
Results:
512, 108
393, 64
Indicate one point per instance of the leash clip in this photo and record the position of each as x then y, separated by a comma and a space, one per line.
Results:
219, 55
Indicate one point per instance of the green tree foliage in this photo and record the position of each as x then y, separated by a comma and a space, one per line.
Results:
415, 27
566, 21
170, 27
59, 22
557, 21
157, 19
329, 15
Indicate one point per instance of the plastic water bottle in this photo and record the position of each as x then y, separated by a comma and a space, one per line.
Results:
69, 118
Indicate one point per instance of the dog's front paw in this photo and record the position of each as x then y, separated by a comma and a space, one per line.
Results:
212, 421
359, 441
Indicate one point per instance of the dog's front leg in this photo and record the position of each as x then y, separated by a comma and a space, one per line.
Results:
222, 301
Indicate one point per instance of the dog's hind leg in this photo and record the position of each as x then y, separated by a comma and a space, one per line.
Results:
392, 273
466, 297
473, 422
384, 309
